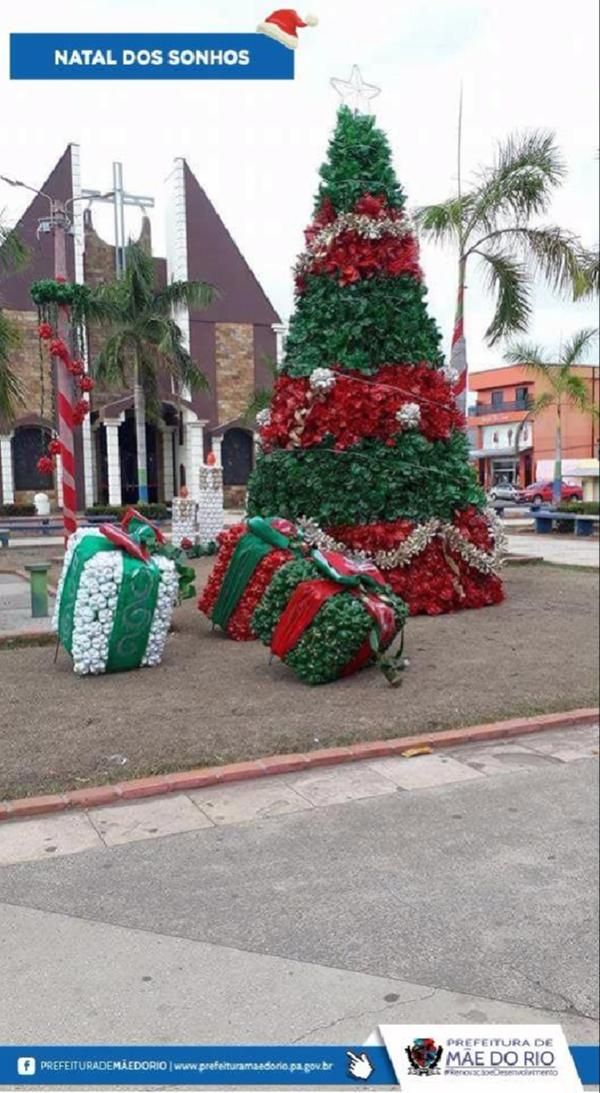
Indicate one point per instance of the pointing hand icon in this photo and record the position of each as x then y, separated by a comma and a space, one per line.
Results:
359, 1066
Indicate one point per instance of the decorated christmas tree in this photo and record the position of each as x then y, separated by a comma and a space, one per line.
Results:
363, 444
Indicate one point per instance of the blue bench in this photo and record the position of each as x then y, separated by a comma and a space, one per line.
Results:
545, 520
44, 525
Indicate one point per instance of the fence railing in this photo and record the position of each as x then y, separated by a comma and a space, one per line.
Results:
483, 409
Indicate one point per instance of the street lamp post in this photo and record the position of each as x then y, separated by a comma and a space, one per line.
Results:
59, 225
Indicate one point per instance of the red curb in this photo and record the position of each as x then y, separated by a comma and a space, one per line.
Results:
95, 795
240, 772
285, 764
38, 806
144, 787
282, 764
193, 779
328, 757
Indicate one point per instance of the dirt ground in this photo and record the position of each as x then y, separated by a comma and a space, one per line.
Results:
215, 701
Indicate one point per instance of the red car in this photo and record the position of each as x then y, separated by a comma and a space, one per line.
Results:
542, 491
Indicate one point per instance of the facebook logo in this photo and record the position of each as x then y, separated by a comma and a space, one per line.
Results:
26, 1066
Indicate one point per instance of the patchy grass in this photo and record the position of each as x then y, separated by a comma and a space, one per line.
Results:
216, 701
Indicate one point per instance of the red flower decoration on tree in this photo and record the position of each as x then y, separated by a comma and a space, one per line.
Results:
359, 407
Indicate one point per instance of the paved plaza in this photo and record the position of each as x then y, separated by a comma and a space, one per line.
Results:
457, 886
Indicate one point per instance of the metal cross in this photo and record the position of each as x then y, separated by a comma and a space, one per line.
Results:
119, 198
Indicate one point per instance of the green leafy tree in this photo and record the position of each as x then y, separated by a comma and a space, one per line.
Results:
143, 339
495, 221
563, 387
13, 257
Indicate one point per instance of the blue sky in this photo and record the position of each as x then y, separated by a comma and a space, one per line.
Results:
256, 148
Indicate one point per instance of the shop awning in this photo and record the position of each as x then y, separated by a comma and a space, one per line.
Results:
498, 453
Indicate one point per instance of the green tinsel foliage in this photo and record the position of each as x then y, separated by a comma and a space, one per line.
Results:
416, 480
61, 293
334, 636
382, 320
359, 162
266, 614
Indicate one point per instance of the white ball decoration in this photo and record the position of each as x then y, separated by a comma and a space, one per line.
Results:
322, 380
263, 418
450, 374
409, 415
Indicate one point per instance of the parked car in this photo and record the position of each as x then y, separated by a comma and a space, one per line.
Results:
505, 491
539, 492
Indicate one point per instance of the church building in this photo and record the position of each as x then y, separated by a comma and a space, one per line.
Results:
234, 341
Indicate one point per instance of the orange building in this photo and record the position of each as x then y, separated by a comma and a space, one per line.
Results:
504, 399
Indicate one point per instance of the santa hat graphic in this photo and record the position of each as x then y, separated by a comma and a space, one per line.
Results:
283, 24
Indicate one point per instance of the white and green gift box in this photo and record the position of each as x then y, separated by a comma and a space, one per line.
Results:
115, 599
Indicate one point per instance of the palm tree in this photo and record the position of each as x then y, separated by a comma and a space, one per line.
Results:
492, 221
144, 338
588, 284
563, 387
261, 397
13, 256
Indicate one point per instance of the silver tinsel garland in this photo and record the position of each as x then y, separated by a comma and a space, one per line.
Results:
368, 227
423, 534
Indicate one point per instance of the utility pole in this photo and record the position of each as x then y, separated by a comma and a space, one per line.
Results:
119, 198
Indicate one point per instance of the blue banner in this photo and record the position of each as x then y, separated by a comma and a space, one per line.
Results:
190, 1065
587, 1062
149, 57
314, 1065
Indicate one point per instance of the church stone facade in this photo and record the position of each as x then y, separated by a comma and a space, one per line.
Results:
233, 341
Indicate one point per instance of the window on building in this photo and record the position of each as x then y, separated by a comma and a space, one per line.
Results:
237, 457
522, 394
497, 398
29, 443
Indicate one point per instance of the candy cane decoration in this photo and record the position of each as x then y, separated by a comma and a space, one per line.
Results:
67, 450
64, 383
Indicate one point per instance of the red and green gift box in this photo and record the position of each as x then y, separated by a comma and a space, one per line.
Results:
249, 555
326, 616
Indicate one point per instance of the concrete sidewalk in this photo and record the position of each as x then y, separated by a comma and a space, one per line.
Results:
567, 551
457, 886
15, 606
